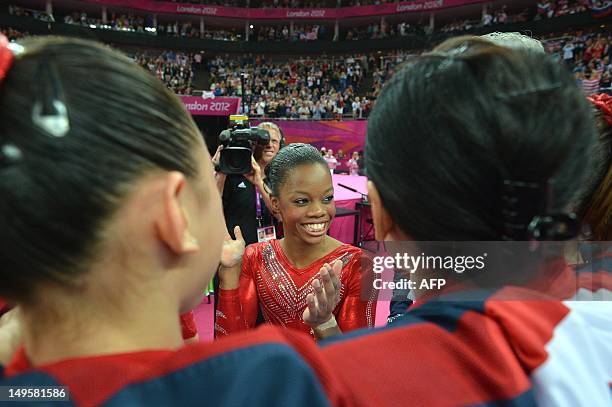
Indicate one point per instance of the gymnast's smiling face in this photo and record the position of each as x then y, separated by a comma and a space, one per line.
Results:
306, 203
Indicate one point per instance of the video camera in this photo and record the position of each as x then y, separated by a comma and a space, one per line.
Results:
238, 143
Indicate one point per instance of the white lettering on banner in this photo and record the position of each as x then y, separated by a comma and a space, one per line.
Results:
434, 4
197, 106
307, 13
408, 7
212, 11
428, 5
182, 9
219, 106
223, 107
298, 14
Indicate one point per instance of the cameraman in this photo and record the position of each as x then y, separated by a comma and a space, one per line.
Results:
245, 200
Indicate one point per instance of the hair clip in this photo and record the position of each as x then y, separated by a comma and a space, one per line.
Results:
519, 201
551, 87
49, 111
560, 226
452, 52
460, 49
9, 154
56, 122
295, 146
15, 48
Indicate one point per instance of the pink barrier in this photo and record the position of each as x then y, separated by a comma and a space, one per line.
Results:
415, 6
218, 106
347, 135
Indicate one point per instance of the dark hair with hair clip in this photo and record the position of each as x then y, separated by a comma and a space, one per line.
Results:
520, 200
287, 159
485, 138
68, 162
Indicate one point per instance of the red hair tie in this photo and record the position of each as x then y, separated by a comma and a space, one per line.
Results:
604, 103
6, 57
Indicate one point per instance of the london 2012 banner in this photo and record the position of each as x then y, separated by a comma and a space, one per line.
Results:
210, 10
210, 106
348, 136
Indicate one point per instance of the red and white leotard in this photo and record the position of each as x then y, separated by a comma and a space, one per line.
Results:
271, 283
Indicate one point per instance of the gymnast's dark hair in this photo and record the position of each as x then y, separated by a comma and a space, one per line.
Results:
58, 191
286, 160
453, 126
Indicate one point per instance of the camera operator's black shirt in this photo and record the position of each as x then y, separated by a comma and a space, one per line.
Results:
239, 207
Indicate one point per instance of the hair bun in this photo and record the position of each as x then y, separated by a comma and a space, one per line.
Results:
561, 226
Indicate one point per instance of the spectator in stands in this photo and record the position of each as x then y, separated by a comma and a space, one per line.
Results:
318, 111
12, 34
300, 86
174, 69
331, 160
357, 109
605, 85
139, 23
590, 82
353, 164
37, 14
487, 19
304, 112
310, 90
568, 53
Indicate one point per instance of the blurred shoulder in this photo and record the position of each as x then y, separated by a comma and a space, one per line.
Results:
270, 366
